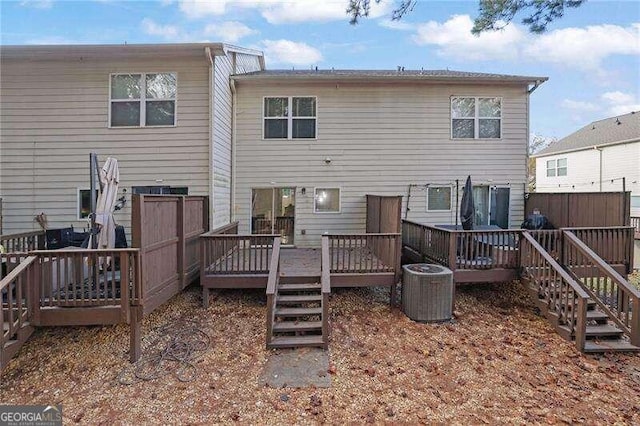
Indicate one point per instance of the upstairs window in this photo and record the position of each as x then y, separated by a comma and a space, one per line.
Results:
557, 167
476, 118
138, 100
290, 117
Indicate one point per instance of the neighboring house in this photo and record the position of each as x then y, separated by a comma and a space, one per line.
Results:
309, 145
594, 158
289, 152
164, 111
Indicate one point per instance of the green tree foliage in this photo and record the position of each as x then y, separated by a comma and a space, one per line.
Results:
492, 14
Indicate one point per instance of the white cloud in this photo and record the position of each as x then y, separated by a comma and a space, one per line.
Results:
37, 4
585, 48
230, 31
170, 32
290, 52
281, 11
201, 9
581, 106
620, 103
453, 39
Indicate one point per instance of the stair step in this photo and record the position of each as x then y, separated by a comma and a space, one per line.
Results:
595, 315
592, 346
297, 312
285, 326
603, 330
298, 279
299, 287
299, 298
295, 341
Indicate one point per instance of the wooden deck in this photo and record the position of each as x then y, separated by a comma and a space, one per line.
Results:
248, 267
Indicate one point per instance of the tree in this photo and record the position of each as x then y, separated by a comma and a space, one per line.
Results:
493, 14
536, 144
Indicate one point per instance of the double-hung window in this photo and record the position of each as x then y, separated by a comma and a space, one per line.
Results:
138, 100
557, 167
439, 198
476, 118
292, 117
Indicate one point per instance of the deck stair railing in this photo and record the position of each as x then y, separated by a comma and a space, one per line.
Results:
612, 293
635, 223
18, 306
296, 308
272, 288
325, 282
560, 298
614, 245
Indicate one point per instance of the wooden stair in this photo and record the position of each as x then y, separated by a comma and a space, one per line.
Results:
602, 335
298, 314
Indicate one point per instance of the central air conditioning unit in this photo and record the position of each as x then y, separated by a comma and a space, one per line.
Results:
427, 292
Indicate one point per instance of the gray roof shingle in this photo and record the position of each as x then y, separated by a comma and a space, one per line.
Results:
609, 130
386, 74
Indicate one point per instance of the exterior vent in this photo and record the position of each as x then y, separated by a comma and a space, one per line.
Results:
427, 292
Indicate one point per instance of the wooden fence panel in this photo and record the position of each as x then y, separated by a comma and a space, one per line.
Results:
165, 229
581, 209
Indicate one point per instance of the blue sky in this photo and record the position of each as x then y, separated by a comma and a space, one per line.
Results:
591, 56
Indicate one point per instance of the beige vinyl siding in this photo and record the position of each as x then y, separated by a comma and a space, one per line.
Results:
54, 113
380, 138
222, 130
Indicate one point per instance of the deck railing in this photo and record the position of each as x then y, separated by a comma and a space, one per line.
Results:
16, 292
236, 254
23, 242
86, 278
560, 292
364, 253
611, 291
428, 241
462, 250
613, 244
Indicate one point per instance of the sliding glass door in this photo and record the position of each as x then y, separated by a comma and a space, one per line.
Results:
492, 206
273, 212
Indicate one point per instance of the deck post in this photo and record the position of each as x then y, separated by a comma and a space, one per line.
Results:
580, 326
205, 297
135, 335
635, 322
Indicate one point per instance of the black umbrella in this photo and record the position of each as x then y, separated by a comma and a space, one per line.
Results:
467, 209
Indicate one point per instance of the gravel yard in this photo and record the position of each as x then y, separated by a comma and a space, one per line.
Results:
498, 363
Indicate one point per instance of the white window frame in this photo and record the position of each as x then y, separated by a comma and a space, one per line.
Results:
79, 201
315, 211
290, 118
556, 168
476, 117
450, 198
143, 100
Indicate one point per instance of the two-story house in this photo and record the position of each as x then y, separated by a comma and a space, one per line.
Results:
595, 158
288, 152
309, 145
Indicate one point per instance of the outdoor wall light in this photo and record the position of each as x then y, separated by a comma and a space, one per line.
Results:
303, 191
327, 160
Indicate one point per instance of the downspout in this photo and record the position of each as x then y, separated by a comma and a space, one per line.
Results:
232, 86
210, 57
600, 167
